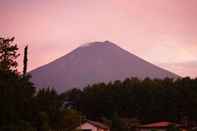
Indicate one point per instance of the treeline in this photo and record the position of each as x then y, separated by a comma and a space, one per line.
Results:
145, 100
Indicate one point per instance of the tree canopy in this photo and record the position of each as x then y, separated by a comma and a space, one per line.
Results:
8, 54
146, 100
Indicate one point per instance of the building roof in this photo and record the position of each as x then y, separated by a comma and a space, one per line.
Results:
98, 124
162, 124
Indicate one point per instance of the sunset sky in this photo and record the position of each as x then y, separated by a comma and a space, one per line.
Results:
163, 32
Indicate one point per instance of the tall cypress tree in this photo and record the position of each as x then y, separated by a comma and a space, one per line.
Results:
25, 61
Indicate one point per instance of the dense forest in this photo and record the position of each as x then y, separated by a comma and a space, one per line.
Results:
23, 107
146, 100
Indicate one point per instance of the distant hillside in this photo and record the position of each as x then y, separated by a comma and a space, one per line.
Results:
92, 63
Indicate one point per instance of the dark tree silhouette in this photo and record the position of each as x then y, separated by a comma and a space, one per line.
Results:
8, 54
25, 60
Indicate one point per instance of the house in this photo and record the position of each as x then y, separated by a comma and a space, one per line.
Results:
93, 126
158, 126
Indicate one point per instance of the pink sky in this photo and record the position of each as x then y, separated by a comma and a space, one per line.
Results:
163, 32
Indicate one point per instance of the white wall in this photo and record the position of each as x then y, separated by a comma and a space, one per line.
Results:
88, 126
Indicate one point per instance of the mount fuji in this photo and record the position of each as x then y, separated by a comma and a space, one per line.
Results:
92, 63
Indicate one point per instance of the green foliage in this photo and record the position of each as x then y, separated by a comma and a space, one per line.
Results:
49, 102
16, 94
154, 130
148, 100
43, 121
173, 127
116, 123
72, 118
8, 54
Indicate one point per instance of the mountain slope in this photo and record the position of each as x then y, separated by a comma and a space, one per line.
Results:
92, 63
